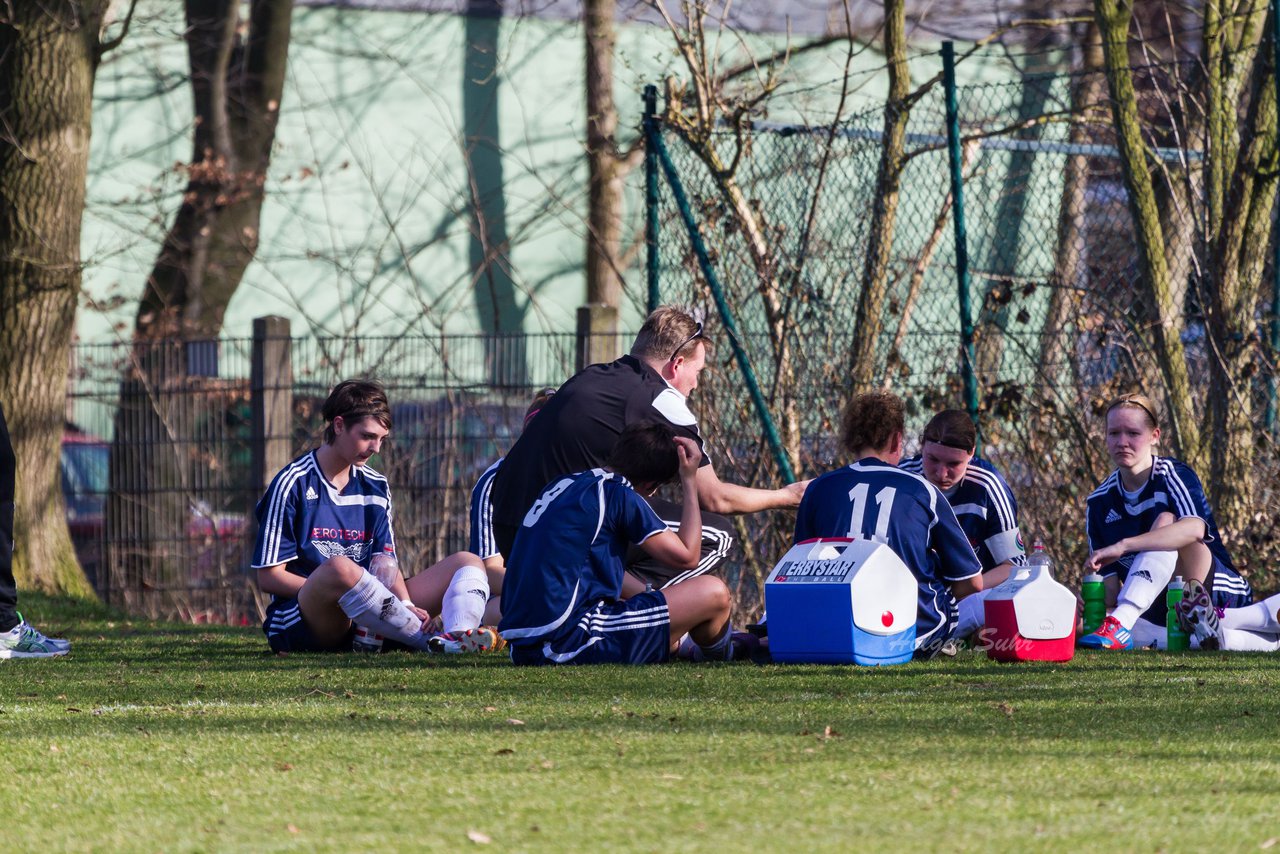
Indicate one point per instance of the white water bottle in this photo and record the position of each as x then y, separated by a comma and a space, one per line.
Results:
1040, 557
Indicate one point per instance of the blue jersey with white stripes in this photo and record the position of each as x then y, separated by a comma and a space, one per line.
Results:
480, 541
1172, 487
569, 551
986, 510
303, 519
875, 500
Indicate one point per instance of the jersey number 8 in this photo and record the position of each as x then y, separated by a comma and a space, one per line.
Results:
551, 494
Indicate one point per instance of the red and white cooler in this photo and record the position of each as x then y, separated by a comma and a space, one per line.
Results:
1030, 617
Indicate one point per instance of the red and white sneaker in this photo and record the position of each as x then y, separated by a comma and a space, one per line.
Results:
1110, 635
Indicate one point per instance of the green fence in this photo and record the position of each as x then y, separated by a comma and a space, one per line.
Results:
778, 247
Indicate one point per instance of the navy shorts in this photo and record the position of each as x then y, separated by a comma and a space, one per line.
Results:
1230, 589
634, 631
286, 631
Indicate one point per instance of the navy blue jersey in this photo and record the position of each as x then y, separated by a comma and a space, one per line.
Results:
877, 501
303, 520
1115, 514
569, 551
480, 541
984, 506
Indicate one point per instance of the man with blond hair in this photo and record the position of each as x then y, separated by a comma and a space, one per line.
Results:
577, 428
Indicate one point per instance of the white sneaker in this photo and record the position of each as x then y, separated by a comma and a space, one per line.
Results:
1198, 617
25, 641
482, 639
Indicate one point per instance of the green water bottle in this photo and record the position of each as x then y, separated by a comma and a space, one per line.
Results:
1094, 594
1176, 639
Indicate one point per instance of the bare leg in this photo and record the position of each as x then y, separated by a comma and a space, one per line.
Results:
699, 606
319, 594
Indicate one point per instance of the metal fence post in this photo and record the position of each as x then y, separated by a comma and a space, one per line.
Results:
271, 399
962, 240
722, 307
651, 198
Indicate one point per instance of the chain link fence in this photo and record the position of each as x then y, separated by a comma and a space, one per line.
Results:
164, 527
1062, 317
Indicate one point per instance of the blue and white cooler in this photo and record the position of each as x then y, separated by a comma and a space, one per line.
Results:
841, 601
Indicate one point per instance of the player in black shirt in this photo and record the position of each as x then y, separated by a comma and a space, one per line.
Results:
577, 428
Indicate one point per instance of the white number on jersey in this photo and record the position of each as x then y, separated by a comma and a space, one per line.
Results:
857, 522
550, 494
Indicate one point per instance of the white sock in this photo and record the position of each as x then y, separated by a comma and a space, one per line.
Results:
1148, 578
370, 604
464, 601
973, 614
1259, 617
1240, 640
722, 649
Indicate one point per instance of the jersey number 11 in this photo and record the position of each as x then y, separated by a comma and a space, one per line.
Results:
857, 521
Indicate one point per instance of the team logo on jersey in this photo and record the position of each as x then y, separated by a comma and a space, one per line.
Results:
356, 551
311, 493
1112, 516
1022, 547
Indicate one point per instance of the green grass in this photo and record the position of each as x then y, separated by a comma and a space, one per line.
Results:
158, 737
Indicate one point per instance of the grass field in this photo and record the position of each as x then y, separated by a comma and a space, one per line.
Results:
159, 737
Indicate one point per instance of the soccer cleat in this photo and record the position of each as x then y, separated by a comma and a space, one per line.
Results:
24, 641
1110, 635
482, 639
1198, 617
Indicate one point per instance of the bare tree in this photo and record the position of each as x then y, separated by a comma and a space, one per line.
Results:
1224, 204
237, 73
49, 54
868, 320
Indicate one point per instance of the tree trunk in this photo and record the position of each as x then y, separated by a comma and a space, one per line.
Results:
604, 167
237, 78
1237, 260
49, 54
1113, 17
492, 280
875, 277
1087, 93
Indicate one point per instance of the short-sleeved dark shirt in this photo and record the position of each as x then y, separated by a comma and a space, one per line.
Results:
577, 428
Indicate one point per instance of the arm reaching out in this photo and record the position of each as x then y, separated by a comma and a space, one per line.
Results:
720, 497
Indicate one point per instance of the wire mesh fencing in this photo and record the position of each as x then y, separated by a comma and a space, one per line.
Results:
158, 465
1065, 313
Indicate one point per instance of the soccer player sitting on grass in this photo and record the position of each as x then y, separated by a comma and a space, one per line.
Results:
982, 501
564, 578
482, 542
1149, 520
873, 499
326, 553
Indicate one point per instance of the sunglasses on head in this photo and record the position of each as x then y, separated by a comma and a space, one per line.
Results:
697, 333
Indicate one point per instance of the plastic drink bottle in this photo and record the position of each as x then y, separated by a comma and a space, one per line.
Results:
1176, 639
1039, 557
1094, 594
